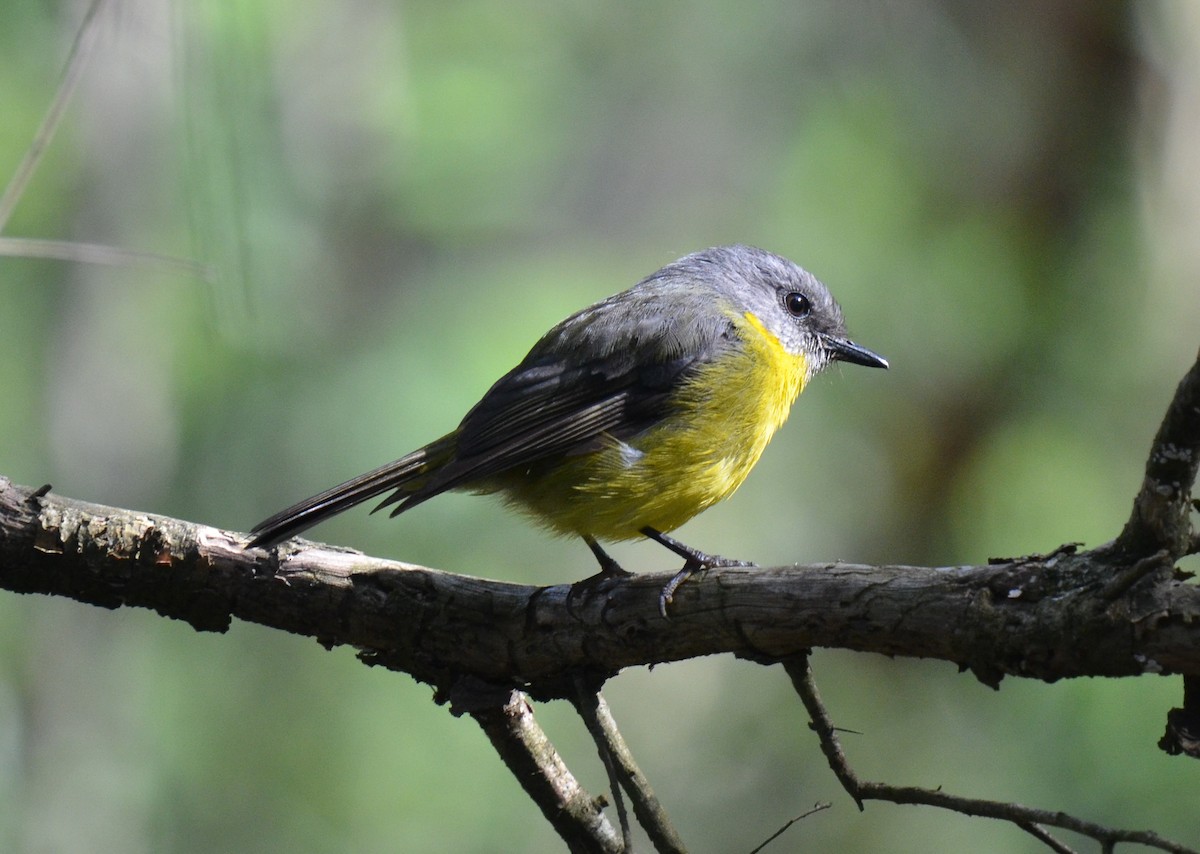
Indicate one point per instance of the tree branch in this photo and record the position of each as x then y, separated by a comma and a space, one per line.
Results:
622, 766
1161, 517
587, 705
509, 724
1046, 617
1031, 820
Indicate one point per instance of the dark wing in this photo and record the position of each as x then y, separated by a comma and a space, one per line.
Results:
589, 378
608, 371
551, 411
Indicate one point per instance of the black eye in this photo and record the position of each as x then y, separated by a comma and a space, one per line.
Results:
798, 304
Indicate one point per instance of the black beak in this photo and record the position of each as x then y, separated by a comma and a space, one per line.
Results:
844, 350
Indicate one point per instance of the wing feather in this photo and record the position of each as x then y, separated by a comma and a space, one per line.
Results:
609, 372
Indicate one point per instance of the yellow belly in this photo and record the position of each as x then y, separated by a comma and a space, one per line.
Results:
725, 416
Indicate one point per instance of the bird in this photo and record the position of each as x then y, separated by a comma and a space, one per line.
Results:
631, 416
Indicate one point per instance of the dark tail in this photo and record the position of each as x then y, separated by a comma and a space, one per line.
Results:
404, 476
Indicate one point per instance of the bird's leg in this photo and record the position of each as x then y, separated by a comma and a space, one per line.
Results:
694, 560
609, 568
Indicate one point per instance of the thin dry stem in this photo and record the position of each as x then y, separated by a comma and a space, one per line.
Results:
1031, 820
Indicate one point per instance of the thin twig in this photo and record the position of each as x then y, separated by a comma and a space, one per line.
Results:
586, 702
799, 670
1042, 835
64, 250
96, 253
540, 770
816, 808
84, 39
646, 806
1026, 818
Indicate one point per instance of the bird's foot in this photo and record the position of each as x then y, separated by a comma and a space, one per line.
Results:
694, 561
609, 568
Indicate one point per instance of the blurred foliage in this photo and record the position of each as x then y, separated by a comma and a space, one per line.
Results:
395, 200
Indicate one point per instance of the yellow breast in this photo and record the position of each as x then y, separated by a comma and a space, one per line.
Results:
724, 417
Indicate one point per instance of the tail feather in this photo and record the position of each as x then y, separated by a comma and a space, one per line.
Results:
402, 477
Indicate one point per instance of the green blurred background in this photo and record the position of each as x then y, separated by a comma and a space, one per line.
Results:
396, 199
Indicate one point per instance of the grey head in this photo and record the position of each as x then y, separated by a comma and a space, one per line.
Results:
788, 300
